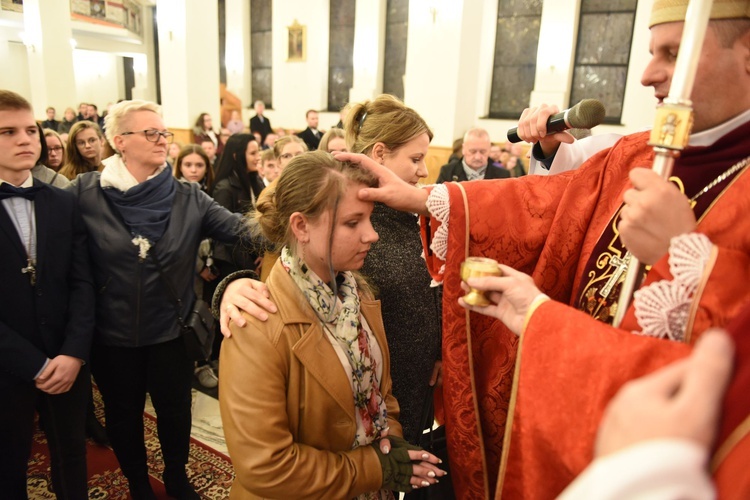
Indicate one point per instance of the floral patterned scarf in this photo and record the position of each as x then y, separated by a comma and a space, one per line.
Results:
351, 336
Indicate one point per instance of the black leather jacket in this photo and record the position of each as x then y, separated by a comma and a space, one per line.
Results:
133, 305
230, 194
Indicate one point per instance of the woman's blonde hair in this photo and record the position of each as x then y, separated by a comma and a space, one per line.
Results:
265, 155
310, 184
331, 134
114, 122
48, 132
384, 119
278, 146
75, 163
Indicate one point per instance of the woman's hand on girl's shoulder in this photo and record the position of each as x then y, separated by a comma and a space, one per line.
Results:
248, 295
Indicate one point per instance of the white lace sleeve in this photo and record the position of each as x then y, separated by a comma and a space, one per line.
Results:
438, 203
662, 308
688, 255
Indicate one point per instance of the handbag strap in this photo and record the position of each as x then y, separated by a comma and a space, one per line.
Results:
177, 301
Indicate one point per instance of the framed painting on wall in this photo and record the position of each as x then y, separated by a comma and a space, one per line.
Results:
297, 50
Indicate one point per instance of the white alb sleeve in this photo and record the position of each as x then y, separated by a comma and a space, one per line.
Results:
661, 469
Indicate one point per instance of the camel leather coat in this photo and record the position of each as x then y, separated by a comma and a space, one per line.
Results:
287, 404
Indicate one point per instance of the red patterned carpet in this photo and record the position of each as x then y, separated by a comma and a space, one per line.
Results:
209, 471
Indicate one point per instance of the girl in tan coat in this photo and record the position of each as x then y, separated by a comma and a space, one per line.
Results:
305, 396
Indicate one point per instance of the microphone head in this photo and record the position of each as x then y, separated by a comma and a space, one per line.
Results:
586, 114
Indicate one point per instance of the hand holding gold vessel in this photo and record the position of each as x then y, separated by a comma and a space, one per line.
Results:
509, 294
477, 267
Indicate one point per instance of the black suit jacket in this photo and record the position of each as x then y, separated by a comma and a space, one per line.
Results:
454, 171
263, 128
310, 139
57, 315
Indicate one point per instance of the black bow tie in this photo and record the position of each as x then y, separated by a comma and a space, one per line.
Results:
11, 191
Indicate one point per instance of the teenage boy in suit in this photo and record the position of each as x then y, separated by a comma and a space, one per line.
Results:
47, 313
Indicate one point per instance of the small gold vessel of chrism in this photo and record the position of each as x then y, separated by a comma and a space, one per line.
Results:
476, 267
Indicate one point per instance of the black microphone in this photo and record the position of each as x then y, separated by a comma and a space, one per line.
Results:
586, 114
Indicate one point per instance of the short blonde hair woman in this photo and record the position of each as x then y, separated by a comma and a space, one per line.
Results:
144, 228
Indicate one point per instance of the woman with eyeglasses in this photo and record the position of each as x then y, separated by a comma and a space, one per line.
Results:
41, 171
84, 151
55, 149
144, 227
287, 147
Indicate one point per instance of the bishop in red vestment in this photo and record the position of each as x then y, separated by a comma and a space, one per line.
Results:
521, 414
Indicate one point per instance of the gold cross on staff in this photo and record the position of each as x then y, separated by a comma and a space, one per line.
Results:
620, 265
31, 271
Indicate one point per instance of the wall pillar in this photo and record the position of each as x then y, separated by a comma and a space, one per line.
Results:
47, 35
369, 49
556, 53
237, 53
189, 61
443, 67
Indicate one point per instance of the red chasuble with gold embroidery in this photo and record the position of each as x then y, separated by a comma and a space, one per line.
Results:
561, 230
732, 456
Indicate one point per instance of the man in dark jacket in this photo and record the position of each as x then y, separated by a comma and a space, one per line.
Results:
47, 317
475, 164
311, 135
260, 123
50, 122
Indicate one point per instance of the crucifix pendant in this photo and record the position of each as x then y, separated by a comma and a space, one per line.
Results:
31, 271
620, 265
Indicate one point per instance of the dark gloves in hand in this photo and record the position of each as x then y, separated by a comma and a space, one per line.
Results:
397, 466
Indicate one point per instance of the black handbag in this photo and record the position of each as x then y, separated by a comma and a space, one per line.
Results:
198, 328
198, 331
434, 441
